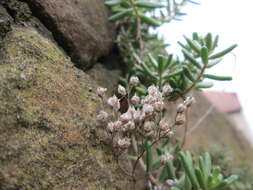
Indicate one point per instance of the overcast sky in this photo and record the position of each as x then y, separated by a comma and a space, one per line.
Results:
231, 20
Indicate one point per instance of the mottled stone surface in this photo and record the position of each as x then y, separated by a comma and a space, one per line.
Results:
79, 26
49, 136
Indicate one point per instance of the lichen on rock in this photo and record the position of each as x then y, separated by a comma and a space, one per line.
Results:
49, 136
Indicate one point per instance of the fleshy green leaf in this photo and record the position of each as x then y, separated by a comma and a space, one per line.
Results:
120, 15
112, 3
148, 20
215, 77
204, 55
148, 4
222, 53
204, 85
189, 57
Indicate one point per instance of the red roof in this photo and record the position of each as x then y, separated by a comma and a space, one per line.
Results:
224, 101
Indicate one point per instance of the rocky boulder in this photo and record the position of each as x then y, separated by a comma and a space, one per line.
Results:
49, 137
79, 26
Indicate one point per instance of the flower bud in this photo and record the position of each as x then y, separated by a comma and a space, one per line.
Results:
134, 80
171, 182
114, 102
110, 127
164, 125
180, 119
121, 90
152, 90
169, 134
117, 125
101, 91
148, 126
135, 99
125, 117
181, 108
137, 115
167, 89
151, 134
166, 158
189, 101
129, 125
159, 106
148, 109
102, 116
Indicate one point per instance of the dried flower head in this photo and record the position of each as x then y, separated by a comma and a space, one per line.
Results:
101, 91
110, 127
114, 102
102, 116
166, 158
134, 80
121, 90
124, 143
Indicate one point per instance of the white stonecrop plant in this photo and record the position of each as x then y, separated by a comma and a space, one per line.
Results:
144, 114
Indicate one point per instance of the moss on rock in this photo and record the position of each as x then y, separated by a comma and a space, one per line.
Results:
49, 136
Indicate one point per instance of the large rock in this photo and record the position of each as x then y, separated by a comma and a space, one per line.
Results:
79, 26
49, 136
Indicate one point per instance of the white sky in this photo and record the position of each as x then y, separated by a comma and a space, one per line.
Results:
231, 20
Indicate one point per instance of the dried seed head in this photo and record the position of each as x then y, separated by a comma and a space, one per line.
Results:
114, 102
124, 143
148, 109
135, 99
167, 89
102, 116
101, 91
166, 158
134, 80
121, 90
181, 108
164, 125
189, 101
148, 126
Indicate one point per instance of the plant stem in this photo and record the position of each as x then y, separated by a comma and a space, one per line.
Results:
185, 129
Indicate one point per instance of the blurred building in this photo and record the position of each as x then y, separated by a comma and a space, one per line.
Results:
228, 103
